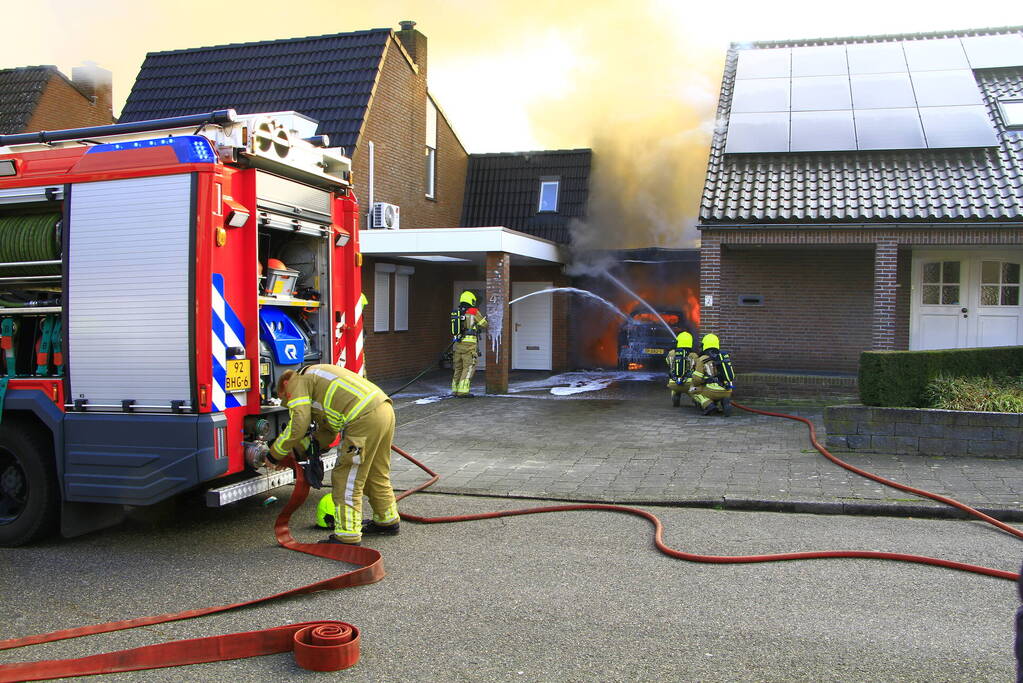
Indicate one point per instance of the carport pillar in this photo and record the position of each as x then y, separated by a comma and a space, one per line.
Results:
498, 321
886, 256
710, 287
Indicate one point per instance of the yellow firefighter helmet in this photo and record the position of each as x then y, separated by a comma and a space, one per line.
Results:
325, 512
710, 341
467, 298
684, 340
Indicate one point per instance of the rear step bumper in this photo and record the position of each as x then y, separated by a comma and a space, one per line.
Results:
260, 483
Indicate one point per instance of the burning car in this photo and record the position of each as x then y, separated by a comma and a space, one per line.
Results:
643, 340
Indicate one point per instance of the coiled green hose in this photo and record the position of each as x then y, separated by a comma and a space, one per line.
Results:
29, 238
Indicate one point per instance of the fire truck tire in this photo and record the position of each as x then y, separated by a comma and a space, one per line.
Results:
29, 496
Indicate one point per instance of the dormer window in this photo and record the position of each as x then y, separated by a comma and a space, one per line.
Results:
1012, 113
548, 195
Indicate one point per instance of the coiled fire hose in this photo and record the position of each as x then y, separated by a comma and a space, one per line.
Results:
30, 238
331, 646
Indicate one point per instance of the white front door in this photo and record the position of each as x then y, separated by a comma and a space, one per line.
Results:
964, 299
531, 326
480, 289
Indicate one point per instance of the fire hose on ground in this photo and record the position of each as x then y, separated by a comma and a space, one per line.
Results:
333, 645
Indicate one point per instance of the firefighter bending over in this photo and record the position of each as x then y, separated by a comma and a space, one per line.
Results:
711, 386
681, 361
466, 323
338, 400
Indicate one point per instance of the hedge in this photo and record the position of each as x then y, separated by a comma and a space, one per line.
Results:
897, 378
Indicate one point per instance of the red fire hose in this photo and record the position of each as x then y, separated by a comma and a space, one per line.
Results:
331, 646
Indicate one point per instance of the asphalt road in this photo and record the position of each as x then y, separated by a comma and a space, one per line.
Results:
579, 596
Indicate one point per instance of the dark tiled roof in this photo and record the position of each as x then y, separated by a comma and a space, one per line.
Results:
504, 189
980, 184
329, 78
20, 90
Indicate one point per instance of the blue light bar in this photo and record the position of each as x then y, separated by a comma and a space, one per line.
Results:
188, 148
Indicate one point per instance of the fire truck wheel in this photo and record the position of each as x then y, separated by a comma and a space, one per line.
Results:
29, 498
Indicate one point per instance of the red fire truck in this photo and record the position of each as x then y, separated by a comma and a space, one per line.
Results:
155, 278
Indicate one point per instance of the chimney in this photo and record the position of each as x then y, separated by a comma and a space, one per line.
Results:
98, 84
414, 43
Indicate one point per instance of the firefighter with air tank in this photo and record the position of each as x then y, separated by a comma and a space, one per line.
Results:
712, 379
681, 361
466, 324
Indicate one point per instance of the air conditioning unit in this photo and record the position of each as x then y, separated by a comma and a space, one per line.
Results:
384, 216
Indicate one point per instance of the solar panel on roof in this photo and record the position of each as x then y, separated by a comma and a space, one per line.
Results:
822, 131
940, 88
889, 129
935, 55
875, 58
821, 93
988, 52
773, 63
965, 126
761, 94
758, 132
888, 83
882, 91
819, 60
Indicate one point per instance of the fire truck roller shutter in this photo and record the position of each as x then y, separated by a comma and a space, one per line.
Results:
129, 297
34, 237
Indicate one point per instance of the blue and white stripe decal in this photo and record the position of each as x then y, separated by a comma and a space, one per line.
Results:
227, 331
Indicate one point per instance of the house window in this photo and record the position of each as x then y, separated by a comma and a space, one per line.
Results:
1012, 113
548, 195
431, 149
382, 297
999, 283
941, 283
402, 278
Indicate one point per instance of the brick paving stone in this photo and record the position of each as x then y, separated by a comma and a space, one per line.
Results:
628, 443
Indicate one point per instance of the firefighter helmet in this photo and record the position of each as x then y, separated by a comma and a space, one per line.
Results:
710, 341
467, 298
684, 340
276, 264
325, 512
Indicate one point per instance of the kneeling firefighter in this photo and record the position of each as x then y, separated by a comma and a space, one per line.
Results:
338, 400
681, 361
712, 379
466, 322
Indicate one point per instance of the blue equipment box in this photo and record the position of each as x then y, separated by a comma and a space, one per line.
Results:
281, 333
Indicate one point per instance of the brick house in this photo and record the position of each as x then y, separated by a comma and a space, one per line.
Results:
865, 193
368, 92
37, 98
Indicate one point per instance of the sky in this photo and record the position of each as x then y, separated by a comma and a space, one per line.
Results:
635, 80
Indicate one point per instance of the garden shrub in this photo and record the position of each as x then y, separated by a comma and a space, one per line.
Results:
1002, 394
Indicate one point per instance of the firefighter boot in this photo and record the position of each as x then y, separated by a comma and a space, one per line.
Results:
371, 527
726, 406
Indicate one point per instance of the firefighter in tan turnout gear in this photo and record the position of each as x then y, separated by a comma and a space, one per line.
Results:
339, 400
712, 378
466, 322
681, 361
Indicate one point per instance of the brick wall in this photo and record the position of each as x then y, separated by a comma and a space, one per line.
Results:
816, 312
63, 106
396, 125
396, 355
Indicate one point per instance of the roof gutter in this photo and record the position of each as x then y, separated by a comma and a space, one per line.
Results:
856, 226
